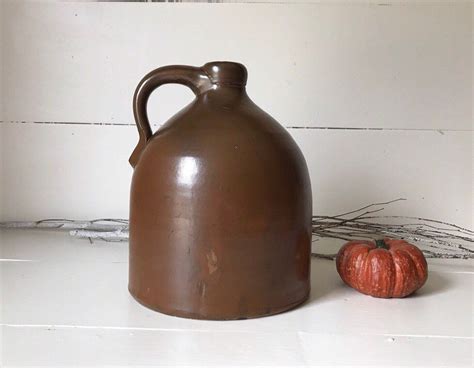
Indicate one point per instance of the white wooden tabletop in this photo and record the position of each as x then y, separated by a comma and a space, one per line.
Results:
65, 302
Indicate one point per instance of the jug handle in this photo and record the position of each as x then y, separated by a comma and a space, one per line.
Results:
194, 78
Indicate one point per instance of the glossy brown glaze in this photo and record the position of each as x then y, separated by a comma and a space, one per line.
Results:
389, 268
220, 208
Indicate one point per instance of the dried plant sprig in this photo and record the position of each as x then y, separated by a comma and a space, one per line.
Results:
437, 239
65, 224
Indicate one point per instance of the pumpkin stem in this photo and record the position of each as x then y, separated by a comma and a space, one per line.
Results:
380, 243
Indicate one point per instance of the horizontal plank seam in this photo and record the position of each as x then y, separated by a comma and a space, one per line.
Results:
274, 2
423, 336
126, 328
124, 262
65, 123
287, 127
453, 272
17, 260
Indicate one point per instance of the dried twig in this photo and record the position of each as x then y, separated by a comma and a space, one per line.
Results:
437, 239
65, 224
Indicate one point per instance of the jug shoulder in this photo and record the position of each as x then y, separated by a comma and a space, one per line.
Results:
204, 120
238, 133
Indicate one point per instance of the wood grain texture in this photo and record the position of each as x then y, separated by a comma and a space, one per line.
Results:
405, 65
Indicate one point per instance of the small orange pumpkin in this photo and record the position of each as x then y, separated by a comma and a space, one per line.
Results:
388, 268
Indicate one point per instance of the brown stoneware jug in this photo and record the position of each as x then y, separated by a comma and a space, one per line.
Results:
220, 207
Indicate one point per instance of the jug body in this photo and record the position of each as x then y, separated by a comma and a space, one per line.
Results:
220, 207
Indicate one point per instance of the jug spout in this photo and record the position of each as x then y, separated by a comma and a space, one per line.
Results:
226, 73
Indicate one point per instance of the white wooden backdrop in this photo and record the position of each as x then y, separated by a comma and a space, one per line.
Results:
378, 96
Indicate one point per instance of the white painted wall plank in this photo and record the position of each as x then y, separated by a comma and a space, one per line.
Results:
401, 65
2, 41
65, 171
82, 171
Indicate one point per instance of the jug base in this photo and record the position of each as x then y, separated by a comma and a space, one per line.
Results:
190, 315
